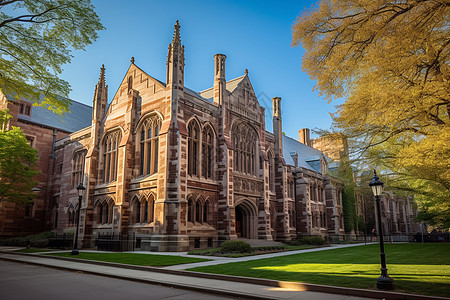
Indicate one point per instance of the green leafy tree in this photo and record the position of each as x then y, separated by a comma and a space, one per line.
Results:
36, 40
390, 61
17, 165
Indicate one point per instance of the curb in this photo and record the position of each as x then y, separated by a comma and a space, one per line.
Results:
265, 282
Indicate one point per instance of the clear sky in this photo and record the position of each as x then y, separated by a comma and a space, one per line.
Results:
254, 35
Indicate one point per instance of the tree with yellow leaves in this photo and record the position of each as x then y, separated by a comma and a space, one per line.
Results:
390, 60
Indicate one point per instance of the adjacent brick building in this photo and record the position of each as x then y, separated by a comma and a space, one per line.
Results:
41, 128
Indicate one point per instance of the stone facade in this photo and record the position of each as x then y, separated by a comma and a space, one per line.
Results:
182, 169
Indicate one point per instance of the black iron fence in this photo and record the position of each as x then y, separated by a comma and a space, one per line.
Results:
115, 242
61, 241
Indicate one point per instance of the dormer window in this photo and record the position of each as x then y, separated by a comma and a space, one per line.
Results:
25, 108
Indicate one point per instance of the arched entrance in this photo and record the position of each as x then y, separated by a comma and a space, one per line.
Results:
245, 220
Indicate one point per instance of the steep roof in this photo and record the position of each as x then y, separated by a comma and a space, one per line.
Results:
231, 86
308, 157
80, 116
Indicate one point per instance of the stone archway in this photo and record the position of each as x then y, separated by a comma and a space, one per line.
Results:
246, 220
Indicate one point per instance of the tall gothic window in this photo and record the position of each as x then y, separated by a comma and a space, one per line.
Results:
143, 211
207, 152
244, 142
149, 145
206, 210
71, 212
190, 214
78, 168
105, 212
193, 147
271, 172
110, 145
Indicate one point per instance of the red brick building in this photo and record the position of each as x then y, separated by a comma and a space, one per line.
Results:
41, 128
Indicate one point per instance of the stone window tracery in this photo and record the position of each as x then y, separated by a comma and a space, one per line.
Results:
143, 211
149, 145
193, 147
207, 152
78, 168
244, 142
110, 145
271, 172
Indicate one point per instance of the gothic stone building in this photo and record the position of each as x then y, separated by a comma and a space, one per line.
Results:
182, 169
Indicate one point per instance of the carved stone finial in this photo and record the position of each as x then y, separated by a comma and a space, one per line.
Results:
132, 59
102, 73
176, 35
246, 71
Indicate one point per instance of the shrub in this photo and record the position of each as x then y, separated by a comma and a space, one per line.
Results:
312, 240
235, 246
36, 240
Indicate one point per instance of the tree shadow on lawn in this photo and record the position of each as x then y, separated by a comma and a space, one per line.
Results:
426, 284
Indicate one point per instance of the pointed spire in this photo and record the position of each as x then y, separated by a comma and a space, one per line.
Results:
176, 40
102, 74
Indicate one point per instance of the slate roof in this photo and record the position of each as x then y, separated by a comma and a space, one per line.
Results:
196, 95
231, 86
80, 117
308, 157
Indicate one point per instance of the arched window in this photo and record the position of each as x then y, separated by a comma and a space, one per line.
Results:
71, 214
151, 209
78, 168
106, 213
271, 172
290, 190
100, 213
145, 211
137, 211
193, 145
244, 142
198, 213
206, 211
190, 210
207, 152
149, 145
110, 145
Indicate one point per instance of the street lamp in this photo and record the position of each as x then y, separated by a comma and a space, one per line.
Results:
384, 281
80, 189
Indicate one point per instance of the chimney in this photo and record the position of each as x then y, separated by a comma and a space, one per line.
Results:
219, 78
303, 136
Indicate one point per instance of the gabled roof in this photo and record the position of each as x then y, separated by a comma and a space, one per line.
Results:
308, 157
231, 86
196, 95
80, 117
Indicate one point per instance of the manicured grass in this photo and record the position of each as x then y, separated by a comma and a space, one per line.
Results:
415, 268
255, 251
133, 258
34, 250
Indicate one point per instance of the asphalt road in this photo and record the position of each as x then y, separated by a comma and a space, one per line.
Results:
21, 281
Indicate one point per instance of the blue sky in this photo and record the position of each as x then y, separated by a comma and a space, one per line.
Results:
255, 35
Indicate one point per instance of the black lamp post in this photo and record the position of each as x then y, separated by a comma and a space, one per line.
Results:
80, 189
384, 281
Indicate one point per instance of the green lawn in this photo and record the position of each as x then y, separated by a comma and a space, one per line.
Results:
133, 258
415, 268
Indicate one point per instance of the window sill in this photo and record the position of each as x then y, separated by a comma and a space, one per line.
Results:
200, 179
144, 178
